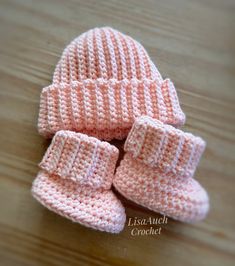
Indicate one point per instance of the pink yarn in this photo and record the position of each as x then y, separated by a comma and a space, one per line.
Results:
75, 181
103, 81
157, 170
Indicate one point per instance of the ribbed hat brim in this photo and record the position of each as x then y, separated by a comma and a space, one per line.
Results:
106, 109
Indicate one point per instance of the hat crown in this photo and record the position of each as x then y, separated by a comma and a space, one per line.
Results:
107, 54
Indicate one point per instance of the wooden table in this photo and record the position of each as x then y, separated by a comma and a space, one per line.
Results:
192, 42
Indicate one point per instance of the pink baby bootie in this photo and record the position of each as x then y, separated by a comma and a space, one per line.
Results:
75, 180
102, 82
157, 170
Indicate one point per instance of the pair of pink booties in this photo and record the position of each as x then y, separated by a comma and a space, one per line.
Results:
106, 86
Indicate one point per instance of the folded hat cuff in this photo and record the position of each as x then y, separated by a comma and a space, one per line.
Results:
165, 147
106, 109
85, 160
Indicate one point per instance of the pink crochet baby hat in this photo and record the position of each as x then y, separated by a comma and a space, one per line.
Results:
75, 180
102, 82
157, 170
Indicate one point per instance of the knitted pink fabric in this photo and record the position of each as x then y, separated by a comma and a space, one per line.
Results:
157, 170
103, 81
75, 180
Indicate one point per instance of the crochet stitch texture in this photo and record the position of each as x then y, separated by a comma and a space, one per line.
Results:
75, 181
105, 85
102, 82
157, 170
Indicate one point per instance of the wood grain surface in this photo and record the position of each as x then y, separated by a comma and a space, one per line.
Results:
193, 43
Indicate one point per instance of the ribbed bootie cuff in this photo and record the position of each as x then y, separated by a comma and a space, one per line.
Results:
165, 147
85, 160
